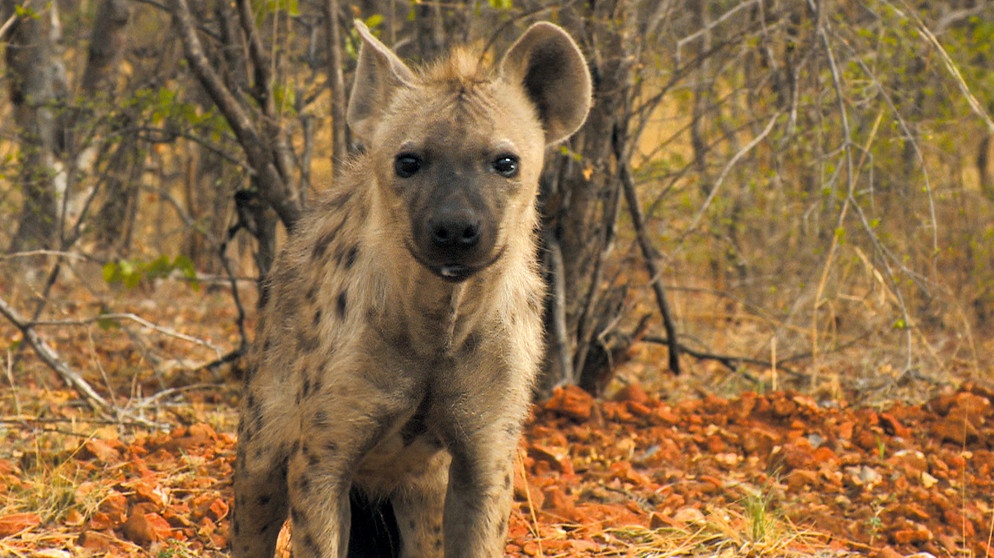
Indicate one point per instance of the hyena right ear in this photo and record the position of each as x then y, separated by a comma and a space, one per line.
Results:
378, 74
548, 64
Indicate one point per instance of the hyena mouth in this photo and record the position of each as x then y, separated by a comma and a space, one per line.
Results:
453, 272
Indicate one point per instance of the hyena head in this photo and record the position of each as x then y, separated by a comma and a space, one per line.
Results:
457, 148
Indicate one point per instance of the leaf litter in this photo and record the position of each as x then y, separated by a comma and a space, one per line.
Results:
642, 474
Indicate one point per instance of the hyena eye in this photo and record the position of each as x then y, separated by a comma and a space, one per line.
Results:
407, 165
506, 166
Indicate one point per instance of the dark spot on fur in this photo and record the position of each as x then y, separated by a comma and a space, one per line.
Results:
320, 419
307, 342
507, 480
306, 389
294, 447
341, 199
257, 454
413, 524
331, 446
237, 528
341, 304
321, 246
350, 257
312, 545
297, 517
511, 429
317, 317
303, 483
266, 345
502, 527
263, 500
471, 343
311, 293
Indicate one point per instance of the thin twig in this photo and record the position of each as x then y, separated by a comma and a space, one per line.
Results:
649, 257
134, 318
728, 167
51, 358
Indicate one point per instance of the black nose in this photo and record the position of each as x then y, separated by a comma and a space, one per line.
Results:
458, 230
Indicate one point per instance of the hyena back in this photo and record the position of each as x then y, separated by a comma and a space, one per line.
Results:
397, 351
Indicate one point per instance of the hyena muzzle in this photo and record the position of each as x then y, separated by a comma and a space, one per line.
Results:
396, 353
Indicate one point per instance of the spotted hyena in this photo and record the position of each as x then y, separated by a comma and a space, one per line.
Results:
396, 354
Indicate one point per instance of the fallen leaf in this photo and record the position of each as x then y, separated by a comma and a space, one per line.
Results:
17, 522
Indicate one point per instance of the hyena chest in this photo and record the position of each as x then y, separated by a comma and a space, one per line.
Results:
410, 451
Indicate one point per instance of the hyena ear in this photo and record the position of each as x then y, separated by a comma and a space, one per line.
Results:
378, 74
548, 64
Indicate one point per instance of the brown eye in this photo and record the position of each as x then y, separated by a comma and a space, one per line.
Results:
407, 165
506, 166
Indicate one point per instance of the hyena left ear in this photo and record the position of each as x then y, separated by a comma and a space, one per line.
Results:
378, 74
548, 64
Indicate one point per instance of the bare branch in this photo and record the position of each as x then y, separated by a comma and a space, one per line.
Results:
51, 358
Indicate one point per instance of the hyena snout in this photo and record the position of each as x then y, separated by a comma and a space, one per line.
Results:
455, 231
455, 241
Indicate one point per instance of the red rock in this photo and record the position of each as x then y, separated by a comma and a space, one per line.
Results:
218, 509
96, 541
797, 454
759, 440
916, 534
742, 407
911, 463
632, 392
799, 480
782, 407
571, 401
558, 501
893, 427
104, 451
638, 409
14, 523
825, 456
663, 415
543, 454
956, 429
953, 517
139, 529
886, 552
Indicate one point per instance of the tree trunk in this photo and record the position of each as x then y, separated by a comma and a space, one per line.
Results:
98, 89
581, 200
256, 123
32, 88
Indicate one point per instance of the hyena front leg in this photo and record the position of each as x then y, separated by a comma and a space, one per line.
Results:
419, 506
259, 483
478, 501
335, 434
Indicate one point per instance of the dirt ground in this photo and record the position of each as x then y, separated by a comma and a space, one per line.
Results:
651, 471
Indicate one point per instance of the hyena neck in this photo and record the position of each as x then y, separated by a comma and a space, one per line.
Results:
435, 316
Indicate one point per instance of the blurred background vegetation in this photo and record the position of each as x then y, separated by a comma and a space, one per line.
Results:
774, 192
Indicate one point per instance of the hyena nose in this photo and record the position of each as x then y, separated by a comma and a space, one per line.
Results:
459, 230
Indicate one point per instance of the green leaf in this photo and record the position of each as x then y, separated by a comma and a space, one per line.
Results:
373, 21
